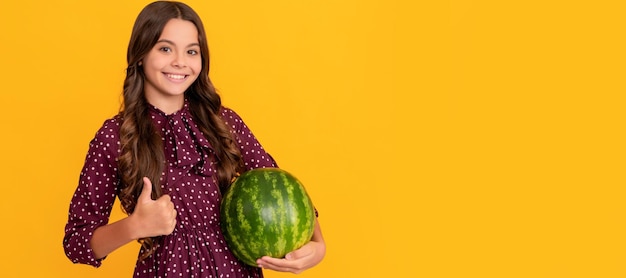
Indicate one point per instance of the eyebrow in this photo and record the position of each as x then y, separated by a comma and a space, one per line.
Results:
172, 43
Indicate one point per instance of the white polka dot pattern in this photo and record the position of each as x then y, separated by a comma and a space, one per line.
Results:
196, 248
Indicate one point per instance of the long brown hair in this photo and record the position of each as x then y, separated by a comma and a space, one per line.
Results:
142, 151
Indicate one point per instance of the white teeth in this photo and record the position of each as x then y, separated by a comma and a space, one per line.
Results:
176, 76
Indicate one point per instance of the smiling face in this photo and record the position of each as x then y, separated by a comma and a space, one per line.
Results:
172, 65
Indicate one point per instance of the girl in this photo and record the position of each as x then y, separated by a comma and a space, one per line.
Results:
167, 156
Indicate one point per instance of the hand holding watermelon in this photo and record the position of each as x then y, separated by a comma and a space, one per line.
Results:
266, 214
301, 259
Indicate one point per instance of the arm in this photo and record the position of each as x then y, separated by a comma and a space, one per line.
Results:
252, 152
299, 260
110, 237
88, 238
255, 156
94, 196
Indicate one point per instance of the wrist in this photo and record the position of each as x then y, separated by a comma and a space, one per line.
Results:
133, 228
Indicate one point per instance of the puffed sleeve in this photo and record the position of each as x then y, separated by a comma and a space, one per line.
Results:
95, 194
252, 153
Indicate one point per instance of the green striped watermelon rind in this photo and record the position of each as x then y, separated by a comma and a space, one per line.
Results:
251, 231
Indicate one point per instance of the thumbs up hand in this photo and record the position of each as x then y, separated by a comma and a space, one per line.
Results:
153, 217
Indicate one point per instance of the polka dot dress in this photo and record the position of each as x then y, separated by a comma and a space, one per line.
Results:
197, 247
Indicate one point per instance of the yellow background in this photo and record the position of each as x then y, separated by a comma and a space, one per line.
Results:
437, 138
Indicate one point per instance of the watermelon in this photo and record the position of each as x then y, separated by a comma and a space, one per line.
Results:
266, 212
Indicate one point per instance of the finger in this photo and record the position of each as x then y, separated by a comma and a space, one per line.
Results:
294, 255
146, 192
172, 210
165, 203
165, 198
276, 264
300, 253
171, 228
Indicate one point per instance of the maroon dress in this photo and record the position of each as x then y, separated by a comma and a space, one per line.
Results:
197, 247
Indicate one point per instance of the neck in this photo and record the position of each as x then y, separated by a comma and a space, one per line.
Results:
168, 105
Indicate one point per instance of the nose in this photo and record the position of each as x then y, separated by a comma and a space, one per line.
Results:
179, 60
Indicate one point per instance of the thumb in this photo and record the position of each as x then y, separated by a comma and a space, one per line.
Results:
294, 255
146, 192
306, 250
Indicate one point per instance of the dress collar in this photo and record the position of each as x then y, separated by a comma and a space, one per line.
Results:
191, 148
159, 112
